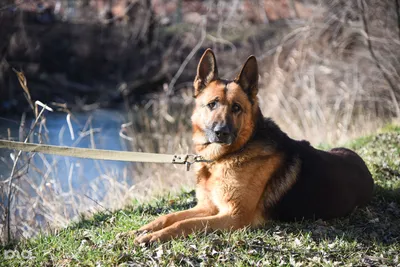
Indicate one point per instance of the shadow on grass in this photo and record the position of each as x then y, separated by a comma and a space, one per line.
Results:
378, 223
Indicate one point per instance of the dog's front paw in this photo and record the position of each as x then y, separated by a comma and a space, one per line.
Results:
146, 239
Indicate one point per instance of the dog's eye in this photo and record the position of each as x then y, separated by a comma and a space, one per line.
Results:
212, 105
236, 108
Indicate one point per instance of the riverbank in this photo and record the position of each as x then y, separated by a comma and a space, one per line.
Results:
369, 236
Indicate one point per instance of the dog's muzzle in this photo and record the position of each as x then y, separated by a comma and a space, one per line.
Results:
221, 134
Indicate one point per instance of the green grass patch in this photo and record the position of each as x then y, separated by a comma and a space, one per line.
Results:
369, 236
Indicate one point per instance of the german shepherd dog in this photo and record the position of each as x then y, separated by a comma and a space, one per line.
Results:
257, 172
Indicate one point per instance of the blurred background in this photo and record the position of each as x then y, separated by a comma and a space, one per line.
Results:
118, 75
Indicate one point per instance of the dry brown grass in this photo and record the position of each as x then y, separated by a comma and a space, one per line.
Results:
162, 125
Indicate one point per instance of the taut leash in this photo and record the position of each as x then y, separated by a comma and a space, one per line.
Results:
102, 154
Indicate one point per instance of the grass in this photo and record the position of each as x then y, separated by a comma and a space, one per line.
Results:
369, 236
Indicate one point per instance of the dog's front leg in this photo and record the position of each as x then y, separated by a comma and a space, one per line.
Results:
183, 228
169, 219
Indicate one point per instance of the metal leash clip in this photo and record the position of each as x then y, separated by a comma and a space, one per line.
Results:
188, 160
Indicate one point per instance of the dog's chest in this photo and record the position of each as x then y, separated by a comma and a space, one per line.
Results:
218, 186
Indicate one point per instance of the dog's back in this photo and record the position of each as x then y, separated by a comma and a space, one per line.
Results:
328, 184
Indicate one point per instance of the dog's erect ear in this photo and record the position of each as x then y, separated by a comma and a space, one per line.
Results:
207, 72
248, 77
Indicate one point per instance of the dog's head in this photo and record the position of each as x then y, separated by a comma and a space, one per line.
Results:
226, 110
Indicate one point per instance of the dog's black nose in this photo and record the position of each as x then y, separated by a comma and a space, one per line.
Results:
222, 134
222, 130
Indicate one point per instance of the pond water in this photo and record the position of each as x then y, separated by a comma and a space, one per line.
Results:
106, 125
